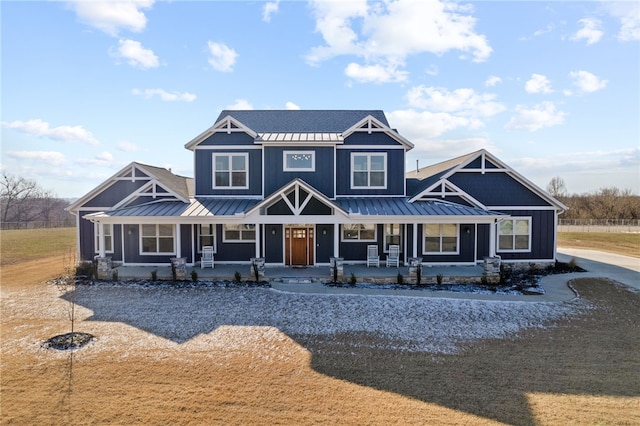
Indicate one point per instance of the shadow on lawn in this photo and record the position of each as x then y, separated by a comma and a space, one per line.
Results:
594, 353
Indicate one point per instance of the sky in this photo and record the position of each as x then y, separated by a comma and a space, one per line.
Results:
550, 88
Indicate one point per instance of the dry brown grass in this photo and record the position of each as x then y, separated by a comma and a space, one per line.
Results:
621, 243
20, 245
582, 371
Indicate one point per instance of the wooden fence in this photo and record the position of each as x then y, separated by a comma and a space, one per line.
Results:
69, 223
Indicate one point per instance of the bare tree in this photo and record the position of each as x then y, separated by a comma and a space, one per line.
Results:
14, 191
557, 188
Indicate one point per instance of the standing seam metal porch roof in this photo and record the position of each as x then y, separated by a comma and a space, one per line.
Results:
220, 207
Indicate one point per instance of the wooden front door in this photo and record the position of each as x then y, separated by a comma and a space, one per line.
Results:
299, 246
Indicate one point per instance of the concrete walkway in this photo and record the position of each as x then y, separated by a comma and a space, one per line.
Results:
623, 269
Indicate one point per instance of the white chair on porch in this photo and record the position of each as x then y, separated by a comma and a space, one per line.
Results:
393, 258
372, 256
207, 257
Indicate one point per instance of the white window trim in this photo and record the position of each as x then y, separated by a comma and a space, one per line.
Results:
513, 250
198, 228
157, 236
224, 235
369, 155
97, 233
299, 169
424, 236
384, 241
359, 240
230, 154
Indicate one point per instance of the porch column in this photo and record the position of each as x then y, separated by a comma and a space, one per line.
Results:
257, 240
336, 240
178, 241
415, 240
103, 240
492, 239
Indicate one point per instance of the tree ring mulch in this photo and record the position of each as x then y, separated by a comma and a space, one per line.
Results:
68, 341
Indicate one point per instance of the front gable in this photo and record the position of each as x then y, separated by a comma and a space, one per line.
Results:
370, 125
226, 126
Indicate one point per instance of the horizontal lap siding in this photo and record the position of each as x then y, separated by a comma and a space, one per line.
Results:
321, 179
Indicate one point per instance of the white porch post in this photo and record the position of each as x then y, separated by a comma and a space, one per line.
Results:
101, 251
415, 240
336, 240
178, 241
257, 240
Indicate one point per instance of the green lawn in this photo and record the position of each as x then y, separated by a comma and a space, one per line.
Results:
29, 244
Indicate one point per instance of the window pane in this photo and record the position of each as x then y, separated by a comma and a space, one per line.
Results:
505, 242
506, 227
377, 179
377, 162
107, 230
432, 230
522, 227
432, 244
450, 230
107, 244
238, 162
239, 179
449, 244
367, 234
249, 235
149, 245
166, 245
359, 162
522, 242
165, 230
232, 234
148, 230
206, 240
350, 232
299, 161
360, 179
222, 178
222, 162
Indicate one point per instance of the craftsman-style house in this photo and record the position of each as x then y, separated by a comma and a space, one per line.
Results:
301, 187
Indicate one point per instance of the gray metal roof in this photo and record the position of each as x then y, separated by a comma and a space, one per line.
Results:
396, 206
300, 137
197, 208
301, 121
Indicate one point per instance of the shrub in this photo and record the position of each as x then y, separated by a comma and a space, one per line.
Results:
154, 275
237, 277
484, 280
194, 276
352, 279
400, 278
114, 275
573, 263
439, 278
418, 274
174, 274
85, 269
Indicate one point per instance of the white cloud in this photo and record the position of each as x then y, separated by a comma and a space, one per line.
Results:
222, 58
164, 95
591, 31
538, 83
628, 13
37, 127
240, 104
425, 125
462, 101
127, 146
542, 115
587, 82
291, 106
101, 160
431, 151
136, 55
269, 9
492, 80
375, 73
112, 16
51, 158
386, 33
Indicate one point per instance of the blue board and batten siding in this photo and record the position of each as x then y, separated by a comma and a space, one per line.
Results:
542, 236
322, 178
204, 173
394, 173
115, 193
496, 189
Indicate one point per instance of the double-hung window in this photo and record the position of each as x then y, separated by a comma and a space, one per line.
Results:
243, 233
358, 232
231, 171
441, 238
514, 234
299, 161
157, 239
107, 230
368, 170
206, 236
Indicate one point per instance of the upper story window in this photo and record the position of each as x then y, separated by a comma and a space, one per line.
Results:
440, 238
231, 171
157, 239
299, 161
368, 170
514, 234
